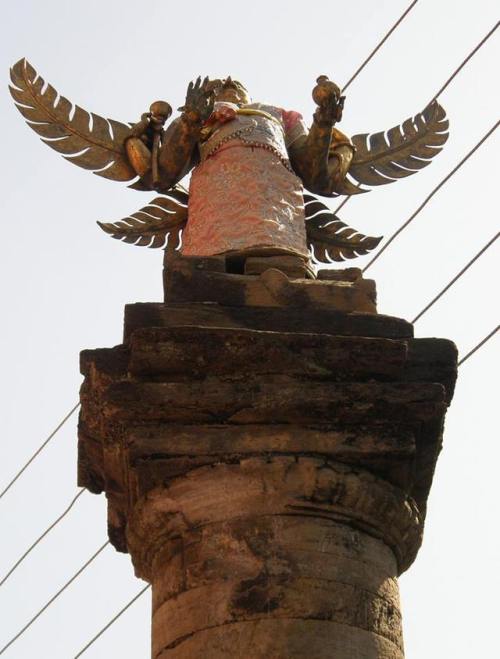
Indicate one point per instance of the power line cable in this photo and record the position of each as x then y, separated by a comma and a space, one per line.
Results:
39, 450
429, 197
41, 537
54, 597
455, 278
469, 56
445, 85
344, 202
379, 45
479, 345
370, 56
114, 619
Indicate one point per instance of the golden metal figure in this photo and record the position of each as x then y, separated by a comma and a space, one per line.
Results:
250, 164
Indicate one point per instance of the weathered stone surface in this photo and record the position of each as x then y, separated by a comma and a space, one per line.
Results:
294, 267
303, 599
282, 639
179, 448
206, 352
284, 567
255, 487
176, 261
264, 401
256, 562
275, 319
270, 289
432, 359
268, 470
345, 274
184, 376
287, 546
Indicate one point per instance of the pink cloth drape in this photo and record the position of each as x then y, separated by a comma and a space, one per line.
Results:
244, 200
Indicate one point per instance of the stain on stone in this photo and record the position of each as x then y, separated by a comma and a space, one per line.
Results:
256, 596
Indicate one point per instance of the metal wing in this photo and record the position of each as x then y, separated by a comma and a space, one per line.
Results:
330, 238
155, 225
382, 157
87, 140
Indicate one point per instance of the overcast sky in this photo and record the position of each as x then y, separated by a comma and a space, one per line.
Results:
65, 282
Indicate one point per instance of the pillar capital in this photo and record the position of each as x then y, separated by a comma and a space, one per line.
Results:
268, 487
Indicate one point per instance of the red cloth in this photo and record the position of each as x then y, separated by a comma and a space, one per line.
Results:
290, 119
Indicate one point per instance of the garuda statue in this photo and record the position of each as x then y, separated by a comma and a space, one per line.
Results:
250, 162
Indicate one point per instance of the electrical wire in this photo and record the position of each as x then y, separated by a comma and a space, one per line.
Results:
41, 537
445, 85
114, 619
344, 202
469, 56
360, 68
455, 278
379, 45
54, 597
39, 450
479, 345
429, 197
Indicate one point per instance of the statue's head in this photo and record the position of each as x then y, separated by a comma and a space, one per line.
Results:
231, 91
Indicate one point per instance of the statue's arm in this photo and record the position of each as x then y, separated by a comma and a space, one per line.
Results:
322, 156
177, 153
309, 156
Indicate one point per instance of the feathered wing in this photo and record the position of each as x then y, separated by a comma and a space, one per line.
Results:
87, 140
382, 157
155, 225
330, 238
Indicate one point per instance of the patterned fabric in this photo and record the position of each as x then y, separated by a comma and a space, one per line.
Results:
244, 196
243, 200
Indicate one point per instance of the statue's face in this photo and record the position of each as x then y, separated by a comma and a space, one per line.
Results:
232, 91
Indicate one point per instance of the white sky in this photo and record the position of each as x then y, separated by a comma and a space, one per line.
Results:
65, 283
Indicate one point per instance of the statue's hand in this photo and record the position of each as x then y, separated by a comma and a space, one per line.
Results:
330, 103
329, 110
199, 101
142, 129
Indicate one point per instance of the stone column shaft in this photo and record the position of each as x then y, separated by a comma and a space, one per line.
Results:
249, 556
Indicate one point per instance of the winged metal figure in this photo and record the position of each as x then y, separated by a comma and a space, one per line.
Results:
250, 164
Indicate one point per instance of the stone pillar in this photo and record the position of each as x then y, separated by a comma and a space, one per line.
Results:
254, 559
267, 462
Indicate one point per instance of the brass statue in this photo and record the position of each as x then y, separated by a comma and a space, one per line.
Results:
250, 164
